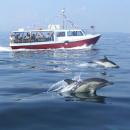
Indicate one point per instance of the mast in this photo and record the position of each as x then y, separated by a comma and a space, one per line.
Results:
63, 18
66, 21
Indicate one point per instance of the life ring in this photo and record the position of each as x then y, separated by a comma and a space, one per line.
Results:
66, 42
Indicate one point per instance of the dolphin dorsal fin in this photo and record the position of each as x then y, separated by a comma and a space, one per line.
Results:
105, 58
69, 81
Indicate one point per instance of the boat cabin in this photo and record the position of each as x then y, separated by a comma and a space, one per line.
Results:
45, 36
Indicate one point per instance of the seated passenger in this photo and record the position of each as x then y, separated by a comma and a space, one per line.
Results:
33, 38
50, 36
39, 37
27, 36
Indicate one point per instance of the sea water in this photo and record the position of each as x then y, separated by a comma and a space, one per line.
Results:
26, 76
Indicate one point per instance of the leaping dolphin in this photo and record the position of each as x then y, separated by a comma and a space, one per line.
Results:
105, 62
86, 86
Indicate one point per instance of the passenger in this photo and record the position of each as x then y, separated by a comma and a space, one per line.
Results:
39, 37
26, 38
33, 38
17, 37
28, 35
50, 36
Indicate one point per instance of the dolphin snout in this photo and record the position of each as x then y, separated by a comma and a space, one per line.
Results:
110, 83
117, 66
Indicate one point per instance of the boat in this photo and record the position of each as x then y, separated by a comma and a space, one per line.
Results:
55, 37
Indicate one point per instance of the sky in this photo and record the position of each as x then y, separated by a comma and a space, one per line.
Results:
105, 15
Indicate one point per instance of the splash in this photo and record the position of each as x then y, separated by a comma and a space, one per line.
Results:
82, 65
5, 49
61, 69
81, 47
77, 78
74, 48
58, 86
63, 87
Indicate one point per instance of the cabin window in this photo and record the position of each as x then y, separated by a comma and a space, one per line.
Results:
74, 33
36, 36
17, 37
26, 37
42, 36
60, 34
79, 33
20, 37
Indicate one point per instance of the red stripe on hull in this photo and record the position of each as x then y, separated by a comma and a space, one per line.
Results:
87, 42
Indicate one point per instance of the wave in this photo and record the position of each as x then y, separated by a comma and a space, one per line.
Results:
5, 49
74, 48
81, 47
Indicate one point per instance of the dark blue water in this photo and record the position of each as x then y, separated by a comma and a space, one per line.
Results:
25, 77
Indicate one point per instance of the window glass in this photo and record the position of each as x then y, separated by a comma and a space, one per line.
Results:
17, 37
60, 34
74, 33
69, 33
42, 36
26, 37
35, 36
79, 33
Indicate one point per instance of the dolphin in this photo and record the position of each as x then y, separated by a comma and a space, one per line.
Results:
105, 62
86, 86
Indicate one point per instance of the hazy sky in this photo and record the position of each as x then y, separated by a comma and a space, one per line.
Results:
106, 15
